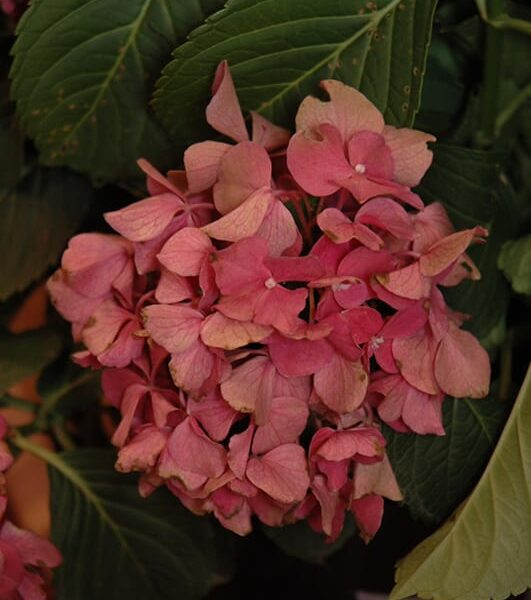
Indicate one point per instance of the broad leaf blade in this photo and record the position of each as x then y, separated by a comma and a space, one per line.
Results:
278, 51
468, 183
82, 75
436, 472
483, 550
26, 354
116, 544
37, 216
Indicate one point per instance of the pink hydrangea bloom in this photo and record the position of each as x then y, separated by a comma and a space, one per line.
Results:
25, 558
255, 338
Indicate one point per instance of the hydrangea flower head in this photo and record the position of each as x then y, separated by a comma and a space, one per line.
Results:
263, 311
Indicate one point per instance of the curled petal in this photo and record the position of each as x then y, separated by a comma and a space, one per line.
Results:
202, 162
410, 153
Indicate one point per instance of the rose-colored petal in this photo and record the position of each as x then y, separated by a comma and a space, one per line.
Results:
174, 327
369, 155
294, 358
32, 548
142, 451
388, 215
462, 366
221, 332
281, 473
368, 512
376, 478
239, 448
286, 421
410, 153
365, 322
415, 357
223, 112
146, 219
192, 368
280, 307
128, 406
279, 229
156, 182
341, 384
299, 268
214, 414
103, 326
250, 383
267, 134
431, 224
173, 288
317, 161
192, 451
202, 162
185, 252
342, 445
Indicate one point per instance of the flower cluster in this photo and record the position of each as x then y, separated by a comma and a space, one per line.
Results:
25, 558
264, 310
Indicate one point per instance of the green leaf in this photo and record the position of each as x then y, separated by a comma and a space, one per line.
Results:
278, 51
301, 541
436, 472
116, 544
515, 261
482, 552
25, 354
469, 184
504, 14
37, 216
82, 76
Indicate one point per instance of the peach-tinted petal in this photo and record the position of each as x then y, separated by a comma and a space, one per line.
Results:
410, 153
202, 162
185, 251
341, 384
286, 421
415, 357
267, 134
462, 366
221, 332
174, 327
223, 112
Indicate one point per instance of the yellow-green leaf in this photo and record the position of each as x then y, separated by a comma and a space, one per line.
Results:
483, 552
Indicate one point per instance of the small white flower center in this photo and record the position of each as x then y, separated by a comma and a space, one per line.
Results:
376, 342
360, 168
270, 283
341, 287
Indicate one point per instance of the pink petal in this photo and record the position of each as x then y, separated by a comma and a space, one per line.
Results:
405, 322
388, 215
185, 252
192, 451
303, 268
191, 369
101, 329
249, 384
445, 251
294, 358
128, 406
223, 112
462, 366
364, 263
267, 134
415, 357
202, 162
156, 182
348, 110
286, 421
407, 282
221, 332
329, 502
279, 229
280, 308
214, 414
431, 224
341, 384
243, 221
239, 268
145, 220
32, 548
281, 473
368, 512
244, 169
335, 225
422, 413
93, 260
369, 154
318, 162
173, 288
239, 448
142, 451
126, 347
348, 444
174, 327
410, 153
365, 323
